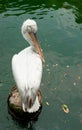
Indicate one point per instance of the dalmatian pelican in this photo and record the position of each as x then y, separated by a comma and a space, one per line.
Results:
27, 68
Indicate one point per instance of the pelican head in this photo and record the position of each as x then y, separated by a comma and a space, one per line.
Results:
29, 30
29, 26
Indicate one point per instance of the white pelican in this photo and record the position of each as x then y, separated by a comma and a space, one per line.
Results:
27, 68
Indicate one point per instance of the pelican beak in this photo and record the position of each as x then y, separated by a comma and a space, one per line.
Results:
36, 45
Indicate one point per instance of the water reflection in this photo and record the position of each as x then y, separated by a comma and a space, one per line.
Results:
20, 7
28, 126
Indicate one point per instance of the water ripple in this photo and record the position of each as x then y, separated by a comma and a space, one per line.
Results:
38, 8
27, 6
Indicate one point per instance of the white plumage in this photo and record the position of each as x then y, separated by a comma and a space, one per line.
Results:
27, 68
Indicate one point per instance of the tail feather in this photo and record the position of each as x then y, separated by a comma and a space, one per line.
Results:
35, 106
30, 102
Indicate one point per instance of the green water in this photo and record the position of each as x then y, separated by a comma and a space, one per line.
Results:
60, 36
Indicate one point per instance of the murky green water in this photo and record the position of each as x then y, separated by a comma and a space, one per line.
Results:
60, 35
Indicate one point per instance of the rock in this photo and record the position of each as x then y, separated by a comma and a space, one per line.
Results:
15, 106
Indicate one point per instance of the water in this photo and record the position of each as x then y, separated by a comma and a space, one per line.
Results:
60, 36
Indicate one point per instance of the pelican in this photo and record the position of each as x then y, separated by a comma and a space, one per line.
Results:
27, 68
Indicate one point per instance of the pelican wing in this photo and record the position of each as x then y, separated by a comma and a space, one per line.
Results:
27, 72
